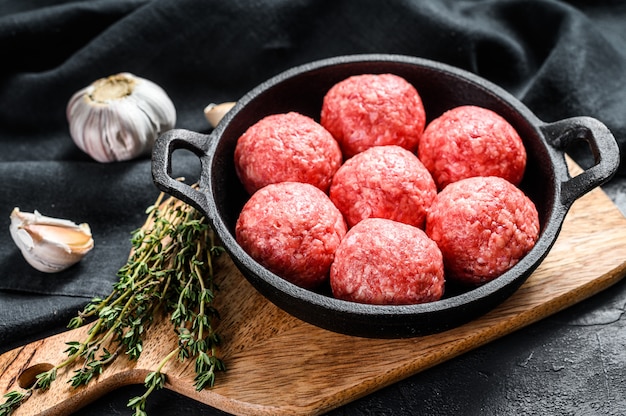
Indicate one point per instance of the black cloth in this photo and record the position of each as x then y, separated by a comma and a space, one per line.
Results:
560, 58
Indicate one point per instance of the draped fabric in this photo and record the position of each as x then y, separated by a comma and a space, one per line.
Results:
560, 58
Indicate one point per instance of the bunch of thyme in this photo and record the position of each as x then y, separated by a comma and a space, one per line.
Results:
169, 271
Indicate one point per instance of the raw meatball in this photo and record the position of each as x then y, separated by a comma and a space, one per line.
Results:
386, 262
293, 229
286, 147
471, 141
383, 182
373, 110
483, 226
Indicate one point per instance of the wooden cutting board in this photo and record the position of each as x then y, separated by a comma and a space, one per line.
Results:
308, 370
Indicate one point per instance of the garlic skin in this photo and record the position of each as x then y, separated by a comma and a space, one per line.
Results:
214, 113
49, 244
119, 117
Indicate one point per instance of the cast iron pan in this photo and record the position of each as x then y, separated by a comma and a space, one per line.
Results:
547, 182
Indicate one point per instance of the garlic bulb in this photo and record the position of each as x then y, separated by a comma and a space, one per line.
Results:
119, 117
49, 244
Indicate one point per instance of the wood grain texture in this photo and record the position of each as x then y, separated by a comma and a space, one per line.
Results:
279, 365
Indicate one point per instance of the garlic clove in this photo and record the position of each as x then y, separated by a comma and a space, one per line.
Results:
119, 117
49, 244
215, 112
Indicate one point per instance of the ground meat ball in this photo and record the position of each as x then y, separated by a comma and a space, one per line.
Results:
293, 229
383, 182
388, 263
471, 141
373, 110
286, 147
483, 226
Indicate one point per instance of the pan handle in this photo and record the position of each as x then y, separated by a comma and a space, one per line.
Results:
604, 148
164, 147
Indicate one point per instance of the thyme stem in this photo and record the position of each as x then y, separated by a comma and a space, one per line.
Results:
169, 272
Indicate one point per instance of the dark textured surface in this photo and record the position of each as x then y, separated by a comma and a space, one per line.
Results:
561, 59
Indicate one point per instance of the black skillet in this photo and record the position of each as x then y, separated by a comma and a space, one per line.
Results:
547, 182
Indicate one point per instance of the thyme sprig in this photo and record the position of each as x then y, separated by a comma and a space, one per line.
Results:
169, 271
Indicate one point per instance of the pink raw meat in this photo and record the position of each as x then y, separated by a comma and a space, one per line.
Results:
382, 261
286, 147
373, 110
293, 229
383, 182
483, 226
471, 141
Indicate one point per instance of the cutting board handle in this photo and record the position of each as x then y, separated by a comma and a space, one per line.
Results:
602, 144
19, 367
